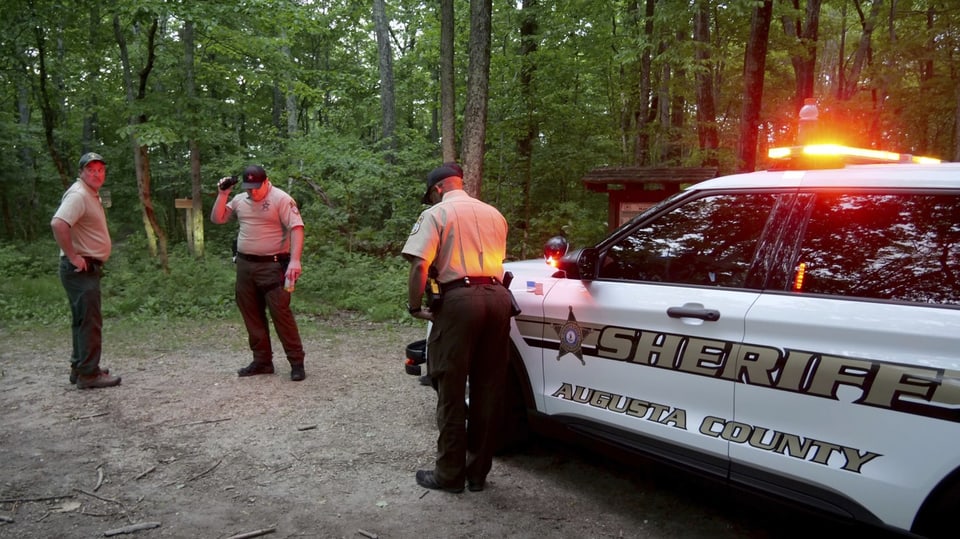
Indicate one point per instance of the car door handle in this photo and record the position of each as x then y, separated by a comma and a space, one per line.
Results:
710, 315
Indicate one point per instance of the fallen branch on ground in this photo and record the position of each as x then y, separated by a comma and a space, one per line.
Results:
205, 472
92, 495
99, 478
256, 533
43, 499
132, 528
145, 472
203, 422
91, 416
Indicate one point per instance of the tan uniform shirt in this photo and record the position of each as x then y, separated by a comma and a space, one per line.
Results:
265, 226
461, 236
81, 208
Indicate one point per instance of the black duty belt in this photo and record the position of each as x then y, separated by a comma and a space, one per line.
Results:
468, 281
264, 258
89, 259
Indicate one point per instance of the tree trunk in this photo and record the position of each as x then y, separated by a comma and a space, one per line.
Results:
868, 23
805, 62
956, 125
707, 133
90, 131
678, 120
387, 100
528, 134
478, 83
276, 115
27, 161
642, 118
754, 65
448, 109
290, 95
628, 70
841, 54
194, 226
47, 112
156, 238
664, 122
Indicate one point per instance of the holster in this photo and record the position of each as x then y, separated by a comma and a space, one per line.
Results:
514, 306
433, 293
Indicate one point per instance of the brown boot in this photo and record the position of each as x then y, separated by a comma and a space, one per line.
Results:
93, 381
74, 374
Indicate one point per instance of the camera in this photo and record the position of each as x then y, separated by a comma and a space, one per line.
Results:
227, 183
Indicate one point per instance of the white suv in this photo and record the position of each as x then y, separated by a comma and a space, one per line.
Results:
792, 331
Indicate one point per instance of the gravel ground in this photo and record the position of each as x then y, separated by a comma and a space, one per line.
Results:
187, 449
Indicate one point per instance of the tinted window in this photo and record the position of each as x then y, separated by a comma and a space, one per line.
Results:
706, 241
886, 246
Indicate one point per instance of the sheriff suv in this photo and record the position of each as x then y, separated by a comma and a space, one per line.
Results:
795, 331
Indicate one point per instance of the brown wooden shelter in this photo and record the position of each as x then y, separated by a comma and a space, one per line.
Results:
634, 189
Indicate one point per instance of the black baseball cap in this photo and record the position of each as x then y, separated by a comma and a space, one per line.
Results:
439, 174
253, 177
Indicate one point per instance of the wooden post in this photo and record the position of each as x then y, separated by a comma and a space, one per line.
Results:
191, 223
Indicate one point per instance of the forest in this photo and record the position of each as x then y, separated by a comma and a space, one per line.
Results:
349, 103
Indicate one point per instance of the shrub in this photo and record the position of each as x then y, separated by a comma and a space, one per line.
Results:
136, 288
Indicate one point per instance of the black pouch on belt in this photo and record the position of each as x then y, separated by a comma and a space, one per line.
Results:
514, 307
434, 296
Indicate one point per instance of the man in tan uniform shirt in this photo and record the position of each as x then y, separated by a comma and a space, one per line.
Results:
465, 240
270, 246
80, 228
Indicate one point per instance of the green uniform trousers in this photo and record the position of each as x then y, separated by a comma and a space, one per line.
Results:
83, 293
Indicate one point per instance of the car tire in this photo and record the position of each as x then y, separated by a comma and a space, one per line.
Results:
938, 516
515, 433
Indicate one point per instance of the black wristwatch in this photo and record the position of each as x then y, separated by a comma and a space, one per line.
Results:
413, 310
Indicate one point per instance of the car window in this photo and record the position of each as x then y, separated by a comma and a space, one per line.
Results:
885, 246
709, 241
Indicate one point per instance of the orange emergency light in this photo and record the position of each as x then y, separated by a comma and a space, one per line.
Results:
812, 152
798, 278
847, 154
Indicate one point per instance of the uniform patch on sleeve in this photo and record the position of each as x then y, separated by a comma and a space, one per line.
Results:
416, 226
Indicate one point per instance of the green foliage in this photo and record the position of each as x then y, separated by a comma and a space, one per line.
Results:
32, 293
567, 219
135, 288
134, 285
375, 288
573, 101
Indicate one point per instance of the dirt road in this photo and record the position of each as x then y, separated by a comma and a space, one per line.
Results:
189, 450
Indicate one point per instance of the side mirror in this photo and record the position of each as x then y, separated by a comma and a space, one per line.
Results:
554, 249
588, 263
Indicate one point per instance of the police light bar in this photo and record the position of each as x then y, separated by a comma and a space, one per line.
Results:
846, 154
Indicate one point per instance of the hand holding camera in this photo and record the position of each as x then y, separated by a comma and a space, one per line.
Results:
225, 184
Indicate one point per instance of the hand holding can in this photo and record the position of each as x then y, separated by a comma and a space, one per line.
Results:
225, 184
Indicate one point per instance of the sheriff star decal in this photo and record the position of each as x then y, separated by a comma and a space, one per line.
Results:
571, 337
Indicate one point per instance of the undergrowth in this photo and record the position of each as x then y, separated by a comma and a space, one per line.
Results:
135, 286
